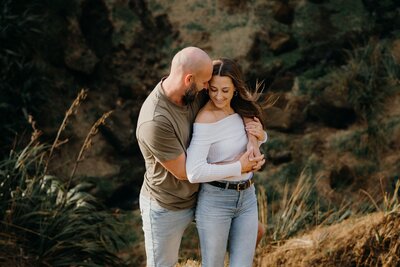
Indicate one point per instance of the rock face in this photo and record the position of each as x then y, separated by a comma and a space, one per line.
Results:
302, 50
78, 56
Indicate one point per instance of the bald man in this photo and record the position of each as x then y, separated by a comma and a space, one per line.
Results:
167, 198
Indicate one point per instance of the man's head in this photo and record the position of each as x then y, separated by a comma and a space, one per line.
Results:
194, 67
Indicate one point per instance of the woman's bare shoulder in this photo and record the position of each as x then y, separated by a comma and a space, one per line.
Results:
205, 115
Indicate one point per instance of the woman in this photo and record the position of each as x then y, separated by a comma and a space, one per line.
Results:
227, 204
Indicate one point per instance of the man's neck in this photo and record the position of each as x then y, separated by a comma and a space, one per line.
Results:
172, 90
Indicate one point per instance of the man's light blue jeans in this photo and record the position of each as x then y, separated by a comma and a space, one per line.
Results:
163, 230
227, 218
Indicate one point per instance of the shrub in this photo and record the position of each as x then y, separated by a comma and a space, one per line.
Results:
46, 221
45, 224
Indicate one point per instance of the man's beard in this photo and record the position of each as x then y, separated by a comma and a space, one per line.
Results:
190, 94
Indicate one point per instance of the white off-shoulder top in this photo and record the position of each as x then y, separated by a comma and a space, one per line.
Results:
217, 142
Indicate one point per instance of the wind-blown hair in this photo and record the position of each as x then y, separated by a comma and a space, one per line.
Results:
245, 102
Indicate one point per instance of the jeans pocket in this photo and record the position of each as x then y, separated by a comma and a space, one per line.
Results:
155, 207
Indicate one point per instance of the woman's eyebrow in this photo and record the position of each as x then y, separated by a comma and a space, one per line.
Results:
225, 87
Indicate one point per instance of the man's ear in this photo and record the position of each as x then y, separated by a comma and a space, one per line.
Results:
188, 79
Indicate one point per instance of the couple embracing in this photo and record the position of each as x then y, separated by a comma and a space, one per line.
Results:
199, 131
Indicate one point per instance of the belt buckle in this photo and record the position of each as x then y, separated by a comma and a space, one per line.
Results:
238, 187
245, 184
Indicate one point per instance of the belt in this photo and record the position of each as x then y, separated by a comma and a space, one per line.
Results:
236, 186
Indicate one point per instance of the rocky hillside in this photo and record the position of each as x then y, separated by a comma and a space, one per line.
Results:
334, 65
333, 152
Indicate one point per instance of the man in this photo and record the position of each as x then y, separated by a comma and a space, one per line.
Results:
167, 198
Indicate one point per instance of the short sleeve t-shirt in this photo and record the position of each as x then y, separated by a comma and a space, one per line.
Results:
163, 133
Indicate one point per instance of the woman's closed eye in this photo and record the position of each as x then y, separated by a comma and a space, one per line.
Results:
224, 90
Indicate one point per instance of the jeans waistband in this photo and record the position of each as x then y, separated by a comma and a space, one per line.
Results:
235, 186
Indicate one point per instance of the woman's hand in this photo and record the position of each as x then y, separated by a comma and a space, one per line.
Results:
254, 127
249, 164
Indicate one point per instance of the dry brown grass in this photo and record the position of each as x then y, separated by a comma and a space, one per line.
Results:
88, 140
369, 240
372, 240
72, 110
189, 263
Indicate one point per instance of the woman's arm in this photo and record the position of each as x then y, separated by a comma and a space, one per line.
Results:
197, 167
200, 171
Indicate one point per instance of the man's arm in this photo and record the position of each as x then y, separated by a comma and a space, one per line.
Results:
177, 166
159, 141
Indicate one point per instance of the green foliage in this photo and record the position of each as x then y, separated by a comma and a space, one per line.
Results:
365, 143
294, 210
366, 168
42, 223
351, 141
128, 26
291, 59
29, 38
19, 74
371, 76
368, 79
275, 144
288, 172
194, 26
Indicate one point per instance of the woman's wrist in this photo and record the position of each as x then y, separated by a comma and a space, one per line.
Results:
264, 139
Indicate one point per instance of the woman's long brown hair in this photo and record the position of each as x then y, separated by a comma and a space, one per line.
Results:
245, 102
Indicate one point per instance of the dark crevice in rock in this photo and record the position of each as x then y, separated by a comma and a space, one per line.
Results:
342, 178
96, 27
336, 117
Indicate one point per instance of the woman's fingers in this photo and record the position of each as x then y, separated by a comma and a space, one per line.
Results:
257, 120
255, 132
259, 165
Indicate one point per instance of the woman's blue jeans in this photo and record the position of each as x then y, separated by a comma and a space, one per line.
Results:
227, 218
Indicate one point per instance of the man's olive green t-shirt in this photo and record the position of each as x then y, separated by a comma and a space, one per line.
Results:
163, 133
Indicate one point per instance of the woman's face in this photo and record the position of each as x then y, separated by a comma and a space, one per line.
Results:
221, 91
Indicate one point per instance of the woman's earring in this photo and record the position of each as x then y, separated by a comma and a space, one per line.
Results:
235, 93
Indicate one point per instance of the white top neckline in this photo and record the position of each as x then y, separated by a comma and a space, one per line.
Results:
218, 121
